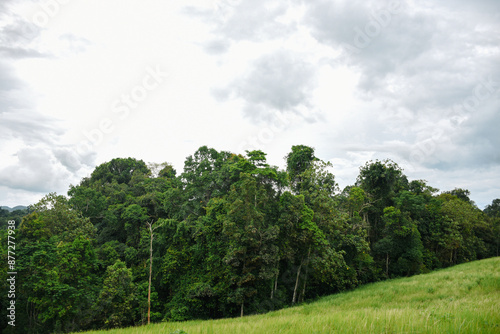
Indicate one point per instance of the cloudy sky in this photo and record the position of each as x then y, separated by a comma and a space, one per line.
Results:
85, 81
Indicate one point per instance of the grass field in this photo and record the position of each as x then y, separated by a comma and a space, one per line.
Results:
461, 299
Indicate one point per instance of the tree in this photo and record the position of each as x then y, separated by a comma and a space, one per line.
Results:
58, 283
117, 300
53, 216
151, 229
492, 234
118, 170
462, 218
251, 251
89, 202
381, 180
401, 243
133, 218
237, 236
493, 209
297, 162
58, 265
460, 193
299, 234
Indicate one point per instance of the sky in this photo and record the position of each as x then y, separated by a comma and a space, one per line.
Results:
86, 81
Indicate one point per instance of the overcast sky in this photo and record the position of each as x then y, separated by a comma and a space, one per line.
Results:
86, 81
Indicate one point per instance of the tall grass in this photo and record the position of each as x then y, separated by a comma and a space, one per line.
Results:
461, 299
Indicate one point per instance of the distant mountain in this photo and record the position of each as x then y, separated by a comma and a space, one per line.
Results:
19, 207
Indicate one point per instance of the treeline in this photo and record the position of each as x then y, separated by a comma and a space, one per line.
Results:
230, 235
16, 215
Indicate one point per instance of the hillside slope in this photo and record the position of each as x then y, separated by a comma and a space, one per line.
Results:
461, 299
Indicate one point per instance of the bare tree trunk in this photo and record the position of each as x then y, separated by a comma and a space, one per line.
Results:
305, 278
276, 281
241, 314
297, 282
387, 265
150, 225
275, 285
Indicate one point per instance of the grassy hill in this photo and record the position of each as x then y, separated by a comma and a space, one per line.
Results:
461, 299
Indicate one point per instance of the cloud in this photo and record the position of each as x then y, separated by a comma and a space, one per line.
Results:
417, 65
253, 20
28, 126
419, 51
383, 41
17, 35
34, 171
74, 44
279, 81
217, 46
244, 20
478, 6
377, 82
479, 137
42, 169
34, 158
9, 83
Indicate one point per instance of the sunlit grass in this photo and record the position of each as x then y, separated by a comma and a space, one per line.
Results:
462, 299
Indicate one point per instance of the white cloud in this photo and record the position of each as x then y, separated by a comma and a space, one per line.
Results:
357, 80
39, 169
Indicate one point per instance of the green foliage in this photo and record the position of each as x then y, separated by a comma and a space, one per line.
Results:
461, 221
462, 194
298, 161
53, 216
382, 179
119, 171
462, 299
232, 236
117, 300
401, 244
58, 283
16, 215
493, 209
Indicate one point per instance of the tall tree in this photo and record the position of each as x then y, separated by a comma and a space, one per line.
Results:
251, 251
382, 180
151, 229
401, 244
297, 162
493, 209
462, 218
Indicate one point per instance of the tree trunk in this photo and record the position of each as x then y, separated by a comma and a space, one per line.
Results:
275, 285
241, 314
297, 282
150, 269
305, 278
387, 265
276, 281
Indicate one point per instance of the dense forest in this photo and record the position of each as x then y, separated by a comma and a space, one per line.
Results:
229, 236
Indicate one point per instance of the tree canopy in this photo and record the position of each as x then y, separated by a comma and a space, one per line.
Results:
231, 235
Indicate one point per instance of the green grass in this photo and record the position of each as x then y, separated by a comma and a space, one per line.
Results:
461, 299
